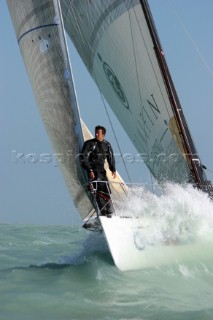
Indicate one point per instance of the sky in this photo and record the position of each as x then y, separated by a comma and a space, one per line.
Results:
36, 193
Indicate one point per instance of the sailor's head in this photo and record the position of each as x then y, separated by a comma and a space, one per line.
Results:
100, 133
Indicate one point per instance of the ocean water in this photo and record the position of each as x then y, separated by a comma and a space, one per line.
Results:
67, 272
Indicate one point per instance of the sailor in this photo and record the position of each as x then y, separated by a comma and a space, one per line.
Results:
93, 155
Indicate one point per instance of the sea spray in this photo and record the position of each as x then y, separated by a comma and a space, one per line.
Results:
170, 228
181, 214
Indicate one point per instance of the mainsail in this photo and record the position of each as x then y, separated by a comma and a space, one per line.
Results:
119, 44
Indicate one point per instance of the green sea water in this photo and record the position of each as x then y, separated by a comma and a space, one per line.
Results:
66, 272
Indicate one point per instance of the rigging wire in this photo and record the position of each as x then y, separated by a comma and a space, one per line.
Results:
211, 171
173, 100
195, 46
186, 31
151, 62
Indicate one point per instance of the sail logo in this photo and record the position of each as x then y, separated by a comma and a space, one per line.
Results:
116, 85
143, 238
138, 241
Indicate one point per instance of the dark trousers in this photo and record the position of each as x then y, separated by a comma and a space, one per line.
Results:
103, 191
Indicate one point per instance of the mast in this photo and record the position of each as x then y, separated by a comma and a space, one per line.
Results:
197, 173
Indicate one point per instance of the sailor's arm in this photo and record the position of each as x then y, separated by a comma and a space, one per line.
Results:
85, 157
111, 162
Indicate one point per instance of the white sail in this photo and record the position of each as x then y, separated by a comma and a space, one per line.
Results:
40, 35
118, 43
41, 38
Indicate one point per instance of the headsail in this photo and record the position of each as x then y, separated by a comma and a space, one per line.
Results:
118, 43
40, 34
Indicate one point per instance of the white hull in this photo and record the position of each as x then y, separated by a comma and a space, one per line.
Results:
127, 241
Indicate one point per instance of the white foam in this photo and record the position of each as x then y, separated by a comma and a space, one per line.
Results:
182, 213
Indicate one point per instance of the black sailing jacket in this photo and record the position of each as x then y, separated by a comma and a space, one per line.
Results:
94, 153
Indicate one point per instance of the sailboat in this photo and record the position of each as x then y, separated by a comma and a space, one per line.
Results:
118, 42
